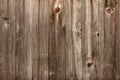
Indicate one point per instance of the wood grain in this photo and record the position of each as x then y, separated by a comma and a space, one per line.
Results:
59, 40
117, 40
110, 67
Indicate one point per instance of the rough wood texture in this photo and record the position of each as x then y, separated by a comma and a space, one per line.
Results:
59, 39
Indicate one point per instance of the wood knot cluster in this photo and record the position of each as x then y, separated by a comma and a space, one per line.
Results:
109, 10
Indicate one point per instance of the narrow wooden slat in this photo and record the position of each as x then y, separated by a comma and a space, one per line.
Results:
43, 39
110, 52
20, 43
98, 39
69, 61
29, 28
7, 26
101, 53
32, 35
3, 38
35, 40
77, 37
95, 39
11, 40
57, 41
83, 18
52, 46
118, 40
89, 70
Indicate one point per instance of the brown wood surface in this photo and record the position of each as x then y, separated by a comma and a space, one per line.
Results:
59, 39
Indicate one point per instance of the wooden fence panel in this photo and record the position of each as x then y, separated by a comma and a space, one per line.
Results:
59, 40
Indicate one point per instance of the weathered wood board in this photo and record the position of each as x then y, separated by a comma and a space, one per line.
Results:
59, 39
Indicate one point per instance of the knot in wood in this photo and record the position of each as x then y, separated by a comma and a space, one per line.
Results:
109, 10
57, 8
97, 33
89, 63
6, 18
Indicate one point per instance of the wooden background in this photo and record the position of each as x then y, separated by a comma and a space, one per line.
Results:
59, 39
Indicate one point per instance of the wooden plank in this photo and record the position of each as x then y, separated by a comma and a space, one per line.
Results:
117, 40
83, 16
100, 64
77, 38
32, 38
57, 41
95, 38
21, 46
11, 40
110, 52
35, 40
3, 38
29, 28
7, 41
70, 64
89, 70
31, 33
44, 24
26, 40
